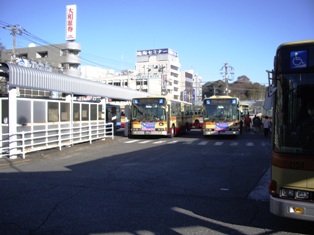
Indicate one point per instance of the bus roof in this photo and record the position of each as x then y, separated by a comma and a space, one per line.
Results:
296, 43
162, 96
221, 96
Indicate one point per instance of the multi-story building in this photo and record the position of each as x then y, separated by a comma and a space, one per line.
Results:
56, 58
191, 88
158, 72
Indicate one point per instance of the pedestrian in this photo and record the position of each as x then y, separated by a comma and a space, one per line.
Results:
247, 122
266, 126
256, 124
241, 126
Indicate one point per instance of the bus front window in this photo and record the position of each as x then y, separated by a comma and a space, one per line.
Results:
148, 112
295, 114
221, 112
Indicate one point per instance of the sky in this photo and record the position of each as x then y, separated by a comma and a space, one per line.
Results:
206, 34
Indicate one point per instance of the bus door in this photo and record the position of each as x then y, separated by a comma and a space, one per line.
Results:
168, 115
127, 124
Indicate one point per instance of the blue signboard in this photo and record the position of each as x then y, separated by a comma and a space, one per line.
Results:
298, 59
221, 126
148, 126
153, 52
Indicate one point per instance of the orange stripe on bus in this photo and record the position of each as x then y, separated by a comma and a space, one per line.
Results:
287, 161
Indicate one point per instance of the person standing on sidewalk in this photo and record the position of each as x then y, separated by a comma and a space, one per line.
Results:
266, 125
256, 124
247, 122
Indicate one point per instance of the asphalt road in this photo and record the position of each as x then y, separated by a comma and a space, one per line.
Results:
184, 185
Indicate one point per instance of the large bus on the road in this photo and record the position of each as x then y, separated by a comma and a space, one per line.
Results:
292, 159
221, 116
159, 116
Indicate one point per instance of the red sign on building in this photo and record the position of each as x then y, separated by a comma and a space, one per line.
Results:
70, 22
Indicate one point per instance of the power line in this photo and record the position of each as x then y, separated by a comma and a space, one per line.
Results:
18, 31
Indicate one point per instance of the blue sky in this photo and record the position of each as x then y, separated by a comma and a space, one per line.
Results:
205, 33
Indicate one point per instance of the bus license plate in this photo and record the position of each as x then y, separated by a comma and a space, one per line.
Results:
147, 132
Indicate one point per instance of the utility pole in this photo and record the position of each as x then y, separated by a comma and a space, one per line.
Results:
163, 82
225, 73
15, 30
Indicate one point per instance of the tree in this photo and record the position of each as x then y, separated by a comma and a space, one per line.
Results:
243, 78
242, 88
1, 49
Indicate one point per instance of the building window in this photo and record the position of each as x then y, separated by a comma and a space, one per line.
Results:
174, 74
76, 112
101, 115
53, 112
174, 67
42, 54
22, 111
39, 112
65, 112
93, 112
23, 56
5, 111
85, 112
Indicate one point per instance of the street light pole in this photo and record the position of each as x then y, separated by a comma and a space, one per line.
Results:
162, 82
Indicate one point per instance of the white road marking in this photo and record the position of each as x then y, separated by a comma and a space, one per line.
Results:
131, 141
202, 143
218, 143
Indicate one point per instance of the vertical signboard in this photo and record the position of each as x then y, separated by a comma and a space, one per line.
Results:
70, 22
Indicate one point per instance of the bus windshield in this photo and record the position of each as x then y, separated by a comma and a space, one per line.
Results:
294, 114
149, 111
223, 111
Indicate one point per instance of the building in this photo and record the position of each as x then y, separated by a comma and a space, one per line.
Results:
158, 72
63, 58
191, 87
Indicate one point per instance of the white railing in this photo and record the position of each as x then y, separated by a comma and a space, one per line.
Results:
31, 141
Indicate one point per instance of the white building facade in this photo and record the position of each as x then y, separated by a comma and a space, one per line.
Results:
158, 72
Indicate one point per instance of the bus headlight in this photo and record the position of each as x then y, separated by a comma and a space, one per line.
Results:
302, 195
296, 194
286, 192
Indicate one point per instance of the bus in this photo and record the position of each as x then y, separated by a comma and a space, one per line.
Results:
221, 116
244, 109
159, 116
291, 88
197, 117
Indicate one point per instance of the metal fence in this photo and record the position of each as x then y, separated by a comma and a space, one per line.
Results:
24, 142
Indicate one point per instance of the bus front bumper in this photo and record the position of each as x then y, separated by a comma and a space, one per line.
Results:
208, 132
292, 209
163, 133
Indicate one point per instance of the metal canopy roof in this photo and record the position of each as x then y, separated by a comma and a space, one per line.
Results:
37, 79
